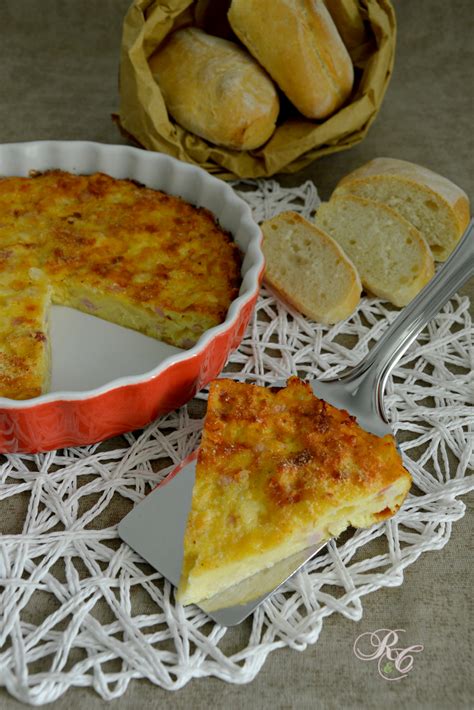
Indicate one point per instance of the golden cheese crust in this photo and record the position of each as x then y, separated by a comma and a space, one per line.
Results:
24, 347
129, 254
278, 470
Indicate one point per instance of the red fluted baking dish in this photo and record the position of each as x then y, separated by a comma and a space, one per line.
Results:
74, 413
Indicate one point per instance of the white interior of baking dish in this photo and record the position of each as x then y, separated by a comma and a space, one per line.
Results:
90, 355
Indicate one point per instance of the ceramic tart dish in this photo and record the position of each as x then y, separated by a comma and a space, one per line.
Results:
107, 379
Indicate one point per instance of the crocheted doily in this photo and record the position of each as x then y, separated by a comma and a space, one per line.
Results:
80, 608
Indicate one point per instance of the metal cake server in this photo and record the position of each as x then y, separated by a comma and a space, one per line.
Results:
155, 527
361, 390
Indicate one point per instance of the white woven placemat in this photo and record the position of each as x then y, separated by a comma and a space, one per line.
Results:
78, 608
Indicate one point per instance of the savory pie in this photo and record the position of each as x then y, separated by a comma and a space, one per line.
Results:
279, 470
112, 248
25, 294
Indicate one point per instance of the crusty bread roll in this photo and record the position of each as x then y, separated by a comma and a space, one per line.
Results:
216, 90
392, 258
298, 44
308, 269
433, 204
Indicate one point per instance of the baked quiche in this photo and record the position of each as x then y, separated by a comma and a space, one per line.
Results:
112, 248
279, 470
25, 295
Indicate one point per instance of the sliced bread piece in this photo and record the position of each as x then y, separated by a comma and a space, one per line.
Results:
391, 256
432, 203
308, 269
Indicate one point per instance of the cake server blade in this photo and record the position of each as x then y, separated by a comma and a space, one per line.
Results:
155, 529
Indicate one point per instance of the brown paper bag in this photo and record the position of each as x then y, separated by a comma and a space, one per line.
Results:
369, 30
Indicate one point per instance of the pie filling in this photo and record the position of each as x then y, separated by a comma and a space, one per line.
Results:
112, 248
278, 472
204, 584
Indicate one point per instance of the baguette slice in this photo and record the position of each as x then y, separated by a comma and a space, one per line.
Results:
391, 256
308, 269
432, 203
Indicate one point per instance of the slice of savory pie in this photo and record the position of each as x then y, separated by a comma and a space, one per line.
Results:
112, 248
279, 470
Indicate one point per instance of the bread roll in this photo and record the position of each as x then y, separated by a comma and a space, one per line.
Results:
214, 89
298, 44
308, 269
392, 258
432, 203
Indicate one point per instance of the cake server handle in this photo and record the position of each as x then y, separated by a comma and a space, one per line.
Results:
374, 370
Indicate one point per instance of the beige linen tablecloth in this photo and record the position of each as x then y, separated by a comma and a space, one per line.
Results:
58, 80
